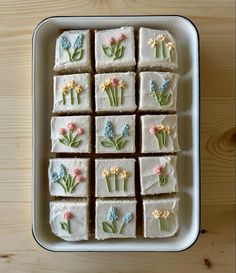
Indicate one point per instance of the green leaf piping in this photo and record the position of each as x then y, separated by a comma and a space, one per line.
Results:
107, 227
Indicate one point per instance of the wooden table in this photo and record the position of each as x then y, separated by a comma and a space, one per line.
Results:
214, 250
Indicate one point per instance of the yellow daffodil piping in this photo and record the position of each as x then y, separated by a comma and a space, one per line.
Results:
162, 217
161, 47
114, 89
71, 87
161, 132
119, 175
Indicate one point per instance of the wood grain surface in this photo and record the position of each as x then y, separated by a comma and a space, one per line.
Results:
214, 251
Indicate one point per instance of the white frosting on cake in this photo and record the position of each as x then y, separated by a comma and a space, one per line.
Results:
128, 98
83, 122
149, 141
151, 225
122, 206
62, 62
82, 188
118, 123
147, 100
79, 223
126, 62
147, 61
149, 180
123, 164
84, 105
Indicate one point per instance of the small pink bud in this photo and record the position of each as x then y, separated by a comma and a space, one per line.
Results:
62, 131
110, 41
114, 82
80, 131
71, 126
158, 170
121, 37
79, 179
76, 172
152, 130
68, 215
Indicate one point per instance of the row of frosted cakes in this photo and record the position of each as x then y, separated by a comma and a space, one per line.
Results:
114, 50
114, 134
113, 177
120, 152
115, 92
114, 218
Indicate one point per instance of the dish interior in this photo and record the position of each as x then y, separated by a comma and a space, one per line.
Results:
186, 36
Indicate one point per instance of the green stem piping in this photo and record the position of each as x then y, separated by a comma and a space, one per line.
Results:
109, 97
121, 227
107, 184
115, 182
78, 98
71, 97
124, 184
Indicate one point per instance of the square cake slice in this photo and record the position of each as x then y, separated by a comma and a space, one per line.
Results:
115, 219
157, 50
73, 53
115, 50
69, 177
158, 91
158, 175
159, 134
71, 134
72, 93
160, 217
115, 177
69, 220
115, 92
115, 134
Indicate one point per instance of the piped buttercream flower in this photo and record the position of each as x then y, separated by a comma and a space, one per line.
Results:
124, 174
79, 179
64, 42
80, 131
108, 130
121, 37
106, 173
114, 82
71, 84
152, 130
152, 42
165, 214
160, 127
110, 41
79, 41
71, 126
127, 218
105, 85
76, 172
65, 89
68, 215
160, 213
115, 170
166, 129
125, 131
62, 131
152, 86
78, 89
112, 215
156, 214
160, 38
158, 170
122, 84
170, 45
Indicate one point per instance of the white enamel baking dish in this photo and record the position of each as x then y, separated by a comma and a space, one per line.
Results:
187, 39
